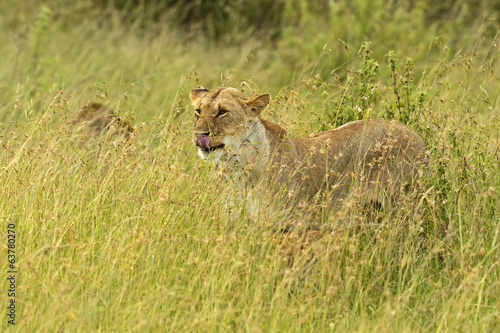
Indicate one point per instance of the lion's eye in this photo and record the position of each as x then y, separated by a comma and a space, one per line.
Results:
221, 113
197, 112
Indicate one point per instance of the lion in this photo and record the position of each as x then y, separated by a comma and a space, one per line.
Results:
367, 159
99, 119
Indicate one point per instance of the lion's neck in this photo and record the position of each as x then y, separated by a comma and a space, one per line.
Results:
249, 159
274, 131
254, 149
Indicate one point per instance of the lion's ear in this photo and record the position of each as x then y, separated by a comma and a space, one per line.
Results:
197, 94
258, 103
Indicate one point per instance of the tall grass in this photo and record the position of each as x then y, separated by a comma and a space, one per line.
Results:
142, 236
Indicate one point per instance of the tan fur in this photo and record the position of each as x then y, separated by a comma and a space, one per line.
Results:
367, 157
99, 119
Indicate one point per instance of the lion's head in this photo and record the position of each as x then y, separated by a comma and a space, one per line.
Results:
99, 119
223, 119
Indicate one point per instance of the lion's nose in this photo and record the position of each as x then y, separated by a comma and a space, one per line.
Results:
202, 140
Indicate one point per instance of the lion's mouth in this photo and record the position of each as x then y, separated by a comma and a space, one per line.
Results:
203, 142
211, 149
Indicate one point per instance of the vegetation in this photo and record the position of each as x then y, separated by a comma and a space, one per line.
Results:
139, 236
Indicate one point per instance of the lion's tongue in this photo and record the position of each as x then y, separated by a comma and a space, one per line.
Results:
203, 141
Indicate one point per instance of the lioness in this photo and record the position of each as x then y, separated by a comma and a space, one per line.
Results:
367, 157
99, 119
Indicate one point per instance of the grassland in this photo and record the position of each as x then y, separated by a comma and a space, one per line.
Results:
114, 236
